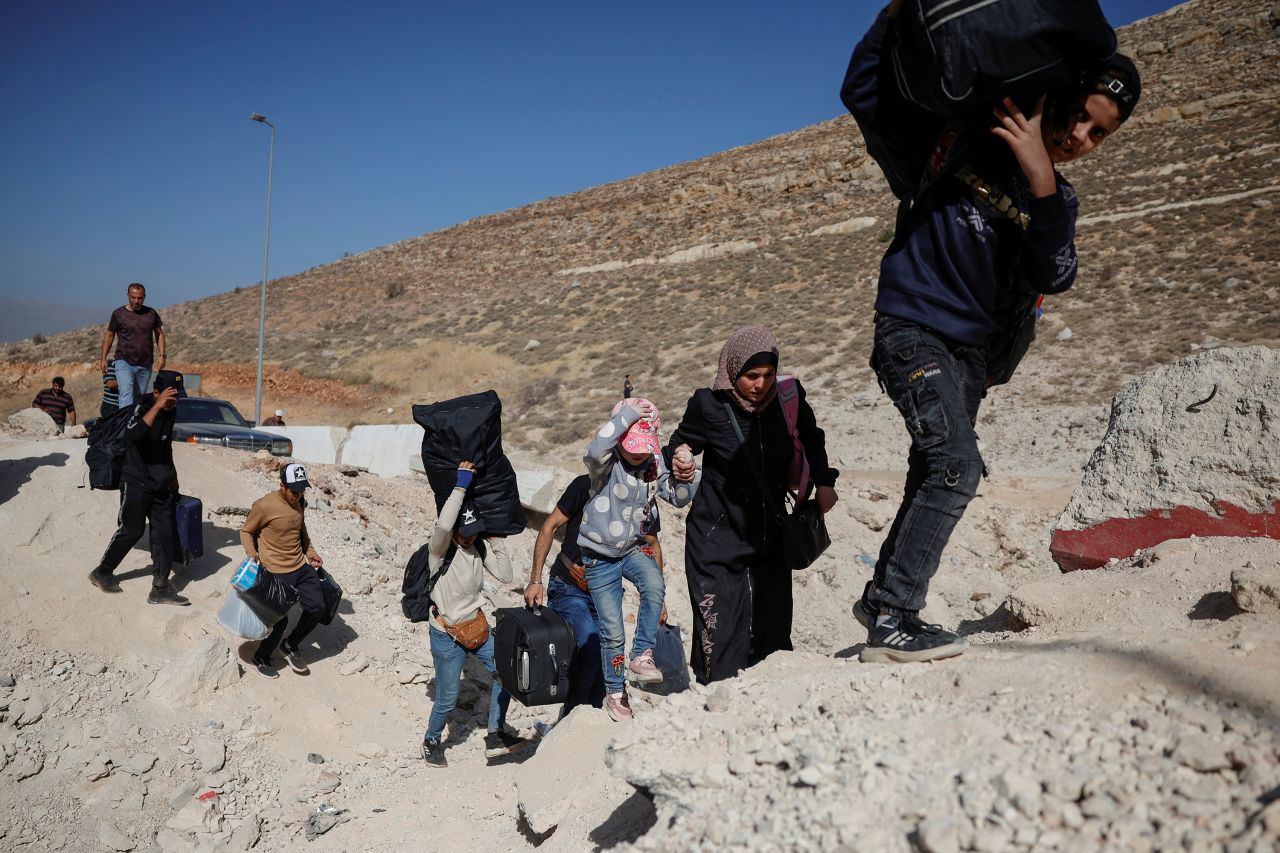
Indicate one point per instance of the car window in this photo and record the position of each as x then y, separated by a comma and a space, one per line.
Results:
194, 411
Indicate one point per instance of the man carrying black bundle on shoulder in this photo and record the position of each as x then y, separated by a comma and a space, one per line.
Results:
986, 227
148, 492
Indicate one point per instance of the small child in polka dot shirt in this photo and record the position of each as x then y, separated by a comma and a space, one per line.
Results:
628, 475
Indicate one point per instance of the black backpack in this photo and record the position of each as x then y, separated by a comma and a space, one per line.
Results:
107, 446
419, 583
952, 58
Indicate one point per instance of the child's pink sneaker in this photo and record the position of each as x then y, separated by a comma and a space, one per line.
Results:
618, 706
643, 670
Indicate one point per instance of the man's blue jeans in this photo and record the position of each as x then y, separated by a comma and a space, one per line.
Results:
448, 658
605, 579
132, 379
586, 681
937, 386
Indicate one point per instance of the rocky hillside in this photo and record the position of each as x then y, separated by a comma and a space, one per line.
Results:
556, 300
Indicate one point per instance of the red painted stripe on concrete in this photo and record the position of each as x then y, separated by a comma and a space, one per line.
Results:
1120, 537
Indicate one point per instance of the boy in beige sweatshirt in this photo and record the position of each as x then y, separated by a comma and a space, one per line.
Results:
457, 549
275, 534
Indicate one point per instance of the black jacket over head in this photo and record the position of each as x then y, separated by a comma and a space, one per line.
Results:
469, 428
739, 586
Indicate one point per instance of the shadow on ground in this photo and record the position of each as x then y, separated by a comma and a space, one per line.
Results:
14, 473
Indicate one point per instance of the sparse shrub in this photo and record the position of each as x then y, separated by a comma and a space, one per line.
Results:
535, 392
886, 235
395, 289
38, 339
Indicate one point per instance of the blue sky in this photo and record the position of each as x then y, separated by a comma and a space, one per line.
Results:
126, 151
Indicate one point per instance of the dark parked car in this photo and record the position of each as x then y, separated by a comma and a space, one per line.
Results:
202, 420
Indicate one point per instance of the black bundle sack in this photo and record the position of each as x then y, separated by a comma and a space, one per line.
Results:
270, 598
470, 429
951, 58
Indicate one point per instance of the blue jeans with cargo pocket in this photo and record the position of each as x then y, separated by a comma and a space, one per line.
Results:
937, 387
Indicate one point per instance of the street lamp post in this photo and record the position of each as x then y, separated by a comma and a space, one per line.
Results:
266, 254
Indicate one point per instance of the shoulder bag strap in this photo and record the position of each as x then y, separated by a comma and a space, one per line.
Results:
751, 462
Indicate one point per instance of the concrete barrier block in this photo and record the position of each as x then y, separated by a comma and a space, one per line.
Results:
387, 450
541, 485
313, 443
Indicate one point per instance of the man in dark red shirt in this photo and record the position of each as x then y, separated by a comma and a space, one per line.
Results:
135, 325
57, 404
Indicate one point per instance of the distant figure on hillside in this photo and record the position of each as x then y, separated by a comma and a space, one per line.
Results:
987, 229
137, 326
148, 493
57, 403
275, 420
627, 387
739, 583
110, 389
275, 535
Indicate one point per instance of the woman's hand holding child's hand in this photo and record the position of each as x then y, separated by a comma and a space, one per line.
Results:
682, 464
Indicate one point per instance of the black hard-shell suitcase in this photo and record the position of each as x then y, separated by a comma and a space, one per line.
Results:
532, 650
190, 530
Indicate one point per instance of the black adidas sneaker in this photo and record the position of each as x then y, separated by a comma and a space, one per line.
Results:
904, 638
864, 609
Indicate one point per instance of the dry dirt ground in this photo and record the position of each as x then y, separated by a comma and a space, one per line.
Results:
111, 731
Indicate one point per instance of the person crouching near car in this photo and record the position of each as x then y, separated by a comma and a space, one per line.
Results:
458, 558
148, 493
275, 535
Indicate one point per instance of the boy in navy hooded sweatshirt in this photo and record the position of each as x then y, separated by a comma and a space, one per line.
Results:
986, 226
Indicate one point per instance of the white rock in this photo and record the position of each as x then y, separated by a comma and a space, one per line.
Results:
848, 226
197, 816
1156, 454
34, 423
111, 836
139, 763
369, 749
939, 835
193, 679
569, 765
211, 753
1256, 589
357, 664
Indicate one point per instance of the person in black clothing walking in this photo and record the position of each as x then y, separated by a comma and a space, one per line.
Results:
986, 226
148, 493
739, 586
627, 387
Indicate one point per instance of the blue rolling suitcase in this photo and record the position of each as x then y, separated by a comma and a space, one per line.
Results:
190, 528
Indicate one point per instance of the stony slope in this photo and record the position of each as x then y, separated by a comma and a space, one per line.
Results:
1175, 249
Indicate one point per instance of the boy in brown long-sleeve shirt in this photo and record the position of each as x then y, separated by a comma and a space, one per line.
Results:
275, 534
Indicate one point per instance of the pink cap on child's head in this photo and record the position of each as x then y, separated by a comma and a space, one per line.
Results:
642, 437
